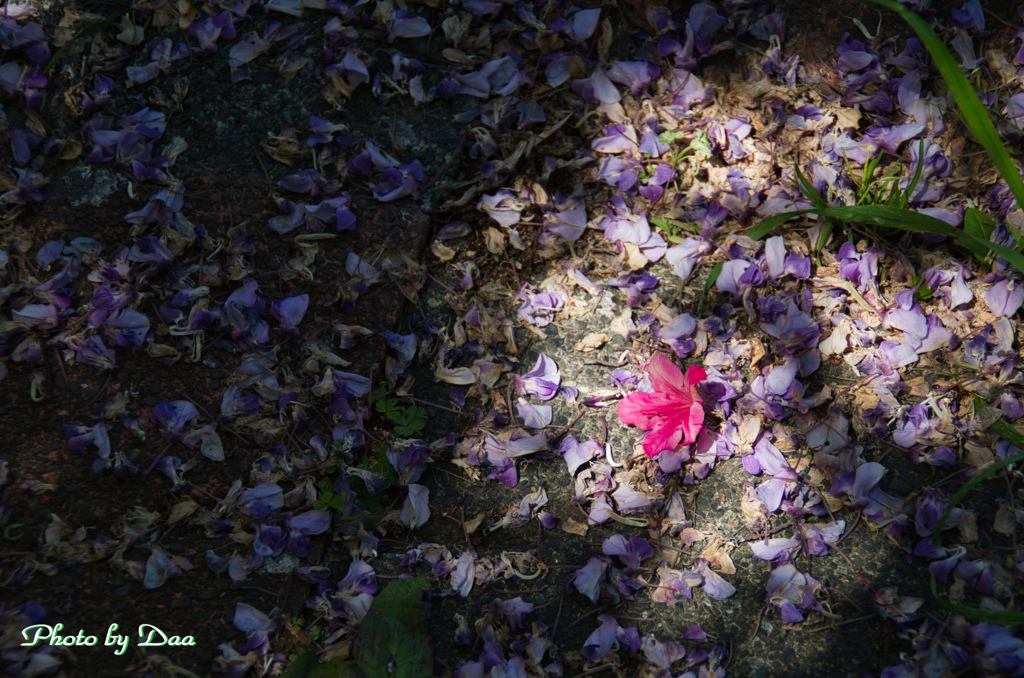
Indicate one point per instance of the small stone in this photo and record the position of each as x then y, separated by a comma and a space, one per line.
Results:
283, 564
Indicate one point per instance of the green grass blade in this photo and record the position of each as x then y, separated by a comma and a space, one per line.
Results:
1003, 617
980, 225
868, 177
973, 111
908, 220
893, 182
891, 217
716, 271
772, 222
1001, 428
809, 191
905, 198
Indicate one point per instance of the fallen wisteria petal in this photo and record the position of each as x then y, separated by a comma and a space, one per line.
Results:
569, 224
406, 25
533, 416
675, 582
773, 548
619, 138
542, 381
632, 551
629, 500
589, 579
415, 508
597, 88
310, 522
636, 75
505, 473
262, 500
547, 520
600, 642
399, 182
576, 454
513, 612
714, 585
541, 308
160, 567
408, 457
1005, 297
969, 16
172, 416
248, 619
38, 316
821, 534
793, 592
684, 257
355, 385
171, 467
677, 333
503, 207
661, 656
360, 577
464, 574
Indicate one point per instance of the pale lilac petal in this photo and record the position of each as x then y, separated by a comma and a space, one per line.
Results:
773, 548
533, 416
248, 619
415, 508
1005, 297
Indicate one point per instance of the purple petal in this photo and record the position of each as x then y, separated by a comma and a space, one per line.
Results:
588, 579
290, 311
773, 548
415, 508
533, 416
1005, 297
248, 619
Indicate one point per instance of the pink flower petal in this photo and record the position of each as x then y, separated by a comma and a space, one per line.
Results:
662, 438
673, 413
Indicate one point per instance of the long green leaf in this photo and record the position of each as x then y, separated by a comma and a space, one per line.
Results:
773, 222
808, 189
867, 177
980, 225
1003, 617
716, 271
974, 112
394, 639
904, 200
892, 217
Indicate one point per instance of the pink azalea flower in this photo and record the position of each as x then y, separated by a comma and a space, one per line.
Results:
674, 412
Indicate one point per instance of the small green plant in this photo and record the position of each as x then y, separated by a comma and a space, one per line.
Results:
315, 632
921, 291
673, 228
372, 476
327, 499
700, 145
886, 190
409, 418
